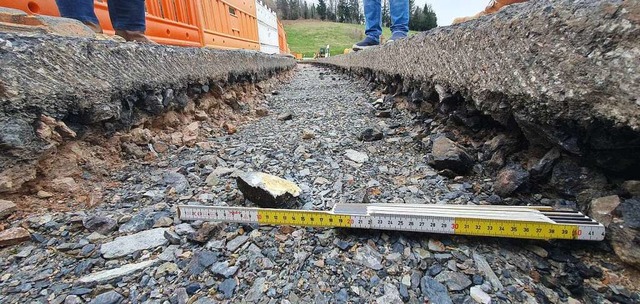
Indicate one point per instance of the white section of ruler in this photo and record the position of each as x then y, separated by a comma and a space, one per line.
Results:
213, 213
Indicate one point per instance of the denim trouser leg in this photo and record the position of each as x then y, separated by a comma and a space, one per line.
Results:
81, 10
399, 10
127, 15
373, 19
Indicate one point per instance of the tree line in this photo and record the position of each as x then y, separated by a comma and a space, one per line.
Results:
350, 11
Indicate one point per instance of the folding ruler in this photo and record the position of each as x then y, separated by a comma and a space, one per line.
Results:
495, 221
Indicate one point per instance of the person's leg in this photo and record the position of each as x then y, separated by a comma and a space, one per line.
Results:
373, 19
81, 10
127, 15
399, 11
128, 19
373, 25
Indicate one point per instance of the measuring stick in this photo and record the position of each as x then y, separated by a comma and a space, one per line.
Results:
495, 221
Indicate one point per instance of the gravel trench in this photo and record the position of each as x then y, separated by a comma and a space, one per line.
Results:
133, 249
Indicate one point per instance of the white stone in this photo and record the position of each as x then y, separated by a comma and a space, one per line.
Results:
125, 245
105, 276
356, 156
479, 295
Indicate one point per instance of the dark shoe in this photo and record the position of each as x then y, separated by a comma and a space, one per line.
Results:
136, 36
397, 36
366, 43
94, 27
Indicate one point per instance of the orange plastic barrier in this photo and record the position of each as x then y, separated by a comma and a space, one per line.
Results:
223, 25
282, 39
229, 24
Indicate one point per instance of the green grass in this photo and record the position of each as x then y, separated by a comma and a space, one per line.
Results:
308, 36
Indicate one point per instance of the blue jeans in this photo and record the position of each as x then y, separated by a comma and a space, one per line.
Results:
399, 11
127, 15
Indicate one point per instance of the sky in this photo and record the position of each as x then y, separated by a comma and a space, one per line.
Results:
446, 10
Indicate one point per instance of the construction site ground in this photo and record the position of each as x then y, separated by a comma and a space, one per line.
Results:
301, 132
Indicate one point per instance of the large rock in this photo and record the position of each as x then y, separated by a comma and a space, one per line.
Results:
509, 179
14, 236
567, 71
446, 154
602, 208
434, 291
624, 233
6, 208
134, 80
125, 245
267, 190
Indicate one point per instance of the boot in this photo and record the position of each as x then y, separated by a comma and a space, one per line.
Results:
137, 36
94, 26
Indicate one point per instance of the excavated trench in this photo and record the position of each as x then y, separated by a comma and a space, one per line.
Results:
101, 140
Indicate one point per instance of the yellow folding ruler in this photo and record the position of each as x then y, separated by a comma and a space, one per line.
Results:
496, 221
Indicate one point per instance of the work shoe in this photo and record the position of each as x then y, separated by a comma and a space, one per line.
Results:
397, 36
94, 27
367, 42
137, 36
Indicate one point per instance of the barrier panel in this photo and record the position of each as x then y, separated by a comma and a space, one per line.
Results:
224, 25
229, 24
282, 39
267, 29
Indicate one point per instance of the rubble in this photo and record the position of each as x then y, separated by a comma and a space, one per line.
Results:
267, 190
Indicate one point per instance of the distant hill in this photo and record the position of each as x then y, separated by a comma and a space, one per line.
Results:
307, 36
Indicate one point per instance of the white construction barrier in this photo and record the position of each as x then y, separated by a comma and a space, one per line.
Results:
267, 29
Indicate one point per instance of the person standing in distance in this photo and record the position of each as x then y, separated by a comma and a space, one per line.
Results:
399, 11
127, 17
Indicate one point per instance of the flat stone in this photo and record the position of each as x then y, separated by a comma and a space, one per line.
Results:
455, 281
266, 190
356, 156
6, 208
109, 297
434, 291
391, 295
238, 241
257, 290
222, 269
14, 236
125, 245
436, 245
25, 252
227, 287
483, 267
479, 295
602, 209
368, 257
541, 252
106, 276
172, 237
285, 116
100, 224
184, 229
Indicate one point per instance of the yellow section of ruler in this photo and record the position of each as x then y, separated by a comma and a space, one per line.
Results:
303, 218
515, 229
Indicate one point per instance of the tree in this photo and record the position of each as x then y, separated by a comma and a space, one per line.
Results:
430, 19
294, 10
354, 11
322, 9
312, 11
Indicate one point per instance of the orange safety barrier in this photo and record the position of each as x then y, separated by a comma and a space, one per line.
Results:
229, 24
282, 39
223, 25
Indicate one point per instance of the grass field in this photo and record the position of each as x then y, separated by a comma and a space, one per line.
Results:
307, 36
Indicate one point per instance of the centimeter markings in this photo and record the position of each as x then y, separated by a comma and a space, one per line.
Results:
415, 223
